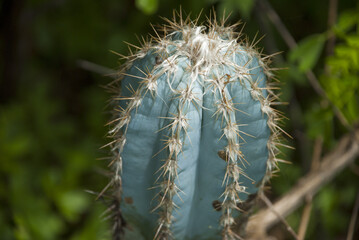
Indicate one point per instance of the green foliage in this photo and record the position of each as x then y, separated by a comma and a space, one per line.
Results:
341, 82
44, 169
308, 51
346, 21
339, 78
147, 6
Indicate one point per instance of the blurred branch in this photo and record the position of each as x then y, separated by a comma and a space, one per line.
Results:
279, 216
264, 25
93, 67
290, 41
353, 218
305, 218
355, 169
317, 151
333, 163
277, 22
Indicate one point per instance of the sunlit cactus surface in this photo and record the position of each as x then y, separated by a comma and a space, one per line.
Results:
194, 134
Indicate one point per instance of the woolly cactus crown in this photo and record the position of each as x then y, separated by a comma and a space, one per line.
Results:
194, 134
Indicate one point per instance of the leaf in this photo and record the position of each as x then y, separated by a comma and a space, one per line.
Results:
147, 6
307, 53
346, 21
348, 54
353, 41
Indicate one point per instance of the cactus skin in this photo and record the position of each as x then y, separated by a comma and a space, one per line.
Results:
194, 134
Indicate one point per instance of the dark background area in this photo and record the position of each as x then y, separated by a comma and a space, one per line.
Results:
53, 107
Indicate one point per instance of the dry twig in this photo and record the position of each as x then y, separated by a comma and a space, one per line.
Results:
308, 206
93, 67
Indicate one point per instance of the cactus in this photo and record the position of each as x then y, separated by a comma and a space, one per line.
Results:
194, 134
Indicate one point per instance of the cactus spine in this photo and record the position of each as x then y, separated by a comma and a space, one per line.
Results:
194, 136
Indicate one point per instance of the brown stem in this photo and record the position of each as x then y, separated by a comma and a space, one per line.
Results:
305, 218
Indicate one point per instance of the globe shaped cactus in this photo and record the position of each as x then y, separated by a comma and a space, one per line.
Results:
193, 134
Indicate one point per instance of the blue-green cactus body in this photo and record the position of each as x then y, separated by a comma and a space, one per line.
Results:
191, 136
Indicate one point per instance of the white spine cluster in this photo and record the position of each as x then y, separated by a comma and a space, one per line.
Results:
233, 170
168, 175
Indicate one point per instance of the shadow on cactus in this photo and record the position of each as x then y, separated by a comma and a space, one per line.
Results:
194, 136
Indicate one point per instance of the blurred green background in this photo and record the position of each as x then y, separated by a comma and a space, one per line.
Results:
53, 111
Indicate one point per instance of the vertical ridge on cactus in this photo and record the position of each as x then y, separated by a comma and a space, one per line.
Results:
194, 136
